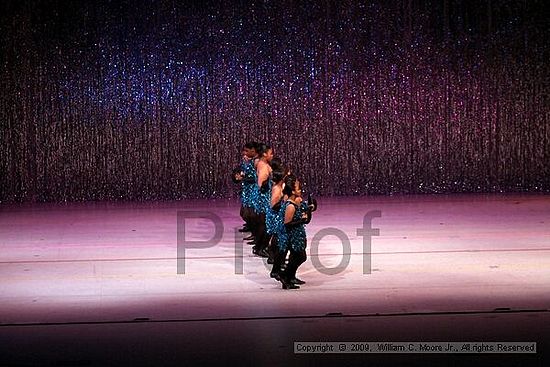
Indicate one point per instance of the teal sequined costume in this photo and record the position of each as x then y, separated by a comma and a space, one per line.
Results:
274, 220
264, 197
292, 238
250, 191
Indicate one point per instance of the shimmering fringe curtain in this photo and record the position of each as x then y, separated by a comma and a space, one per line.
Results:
152, 100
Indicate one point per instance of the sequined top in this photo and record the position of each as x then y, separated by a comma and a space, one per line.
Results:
250, 190
295, 237
280, 230
274, 220
264, 196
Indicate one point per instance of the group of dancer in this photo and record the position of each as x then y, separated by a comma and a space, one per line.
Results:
274, 211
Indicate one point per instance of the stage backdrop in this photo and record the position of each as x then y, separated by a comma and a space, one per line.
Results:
143, 100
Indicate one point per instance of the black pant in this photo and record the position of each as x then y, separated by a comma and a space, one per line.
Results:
277, 255
295, 259
260, 232
247, 214
273, 249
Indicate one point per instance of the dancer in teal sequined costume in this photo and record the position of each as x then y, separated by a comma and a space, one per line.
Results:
245, 175
263, 201
293, 237
249, 192
273, 217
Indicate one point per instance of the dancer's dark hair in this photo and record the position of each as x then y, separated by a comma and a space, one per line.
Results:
251, 145
290, 184
280, 171
262, 148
